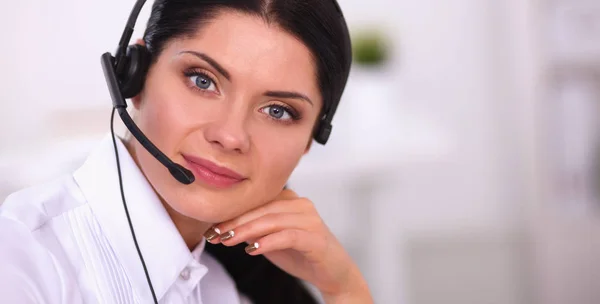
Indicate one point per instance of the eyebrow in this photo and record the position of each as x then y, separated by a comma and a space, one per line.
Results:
210, 61
286, 94
225, 73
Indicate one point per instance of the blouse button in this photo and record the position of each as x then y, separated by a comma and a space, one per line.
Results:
185, 274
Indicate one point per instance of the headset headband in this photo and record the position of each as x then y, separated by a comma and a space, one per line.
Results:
323, 129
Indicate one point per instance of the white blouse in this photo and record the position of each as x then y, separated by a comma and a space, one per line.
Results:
68, 241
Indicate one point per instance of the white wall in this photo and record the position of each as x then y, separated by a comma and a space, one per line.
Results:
461, 182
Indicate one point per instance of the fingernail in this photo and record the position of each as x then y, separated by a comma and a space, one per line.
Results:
251, 247
212, 233
227, 235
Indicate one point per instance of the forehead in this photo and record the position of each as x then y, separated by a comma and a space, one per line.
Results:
254, 53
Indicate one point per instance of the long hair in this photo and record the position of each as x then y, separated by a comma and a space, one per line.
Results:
258, 278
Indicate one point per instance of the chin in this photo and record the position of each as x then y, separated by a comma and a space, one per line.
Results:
209, 207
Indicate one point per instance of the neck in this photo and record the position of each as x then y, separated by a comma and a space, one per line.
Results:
191, 230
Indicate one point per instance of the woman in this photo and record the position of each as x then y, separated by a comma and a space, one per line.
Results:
235, 93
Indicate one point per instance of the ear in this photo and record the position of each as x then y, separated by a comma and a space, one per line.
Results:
136, 100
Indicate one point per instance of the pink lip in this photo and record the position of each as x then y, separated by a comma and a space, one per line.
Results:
211, 173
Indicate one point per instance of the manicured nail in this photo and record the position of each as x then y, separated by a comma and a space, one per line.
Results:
212, 233
227, 235
251, 247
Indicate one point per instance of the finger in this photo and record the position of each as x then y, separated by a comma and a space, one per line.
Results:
268, 224
223, 229
290, 204
286, 194
300, 240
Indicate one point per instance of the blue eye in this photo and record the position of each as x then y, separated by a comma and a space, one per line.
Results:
199, 80
279, 112
203, 82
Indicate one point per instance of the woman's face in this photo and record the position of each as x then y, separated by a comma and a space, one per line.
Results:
236, 104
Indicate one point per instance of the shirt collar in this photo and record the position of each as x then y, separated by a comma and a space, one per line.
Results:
164, 250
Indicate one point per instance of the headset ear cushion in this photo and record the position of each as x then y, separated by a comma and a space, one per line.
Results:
134, 73
323, 131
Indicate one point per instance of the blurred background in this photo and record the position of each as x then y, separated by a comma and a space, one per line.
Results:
463, 166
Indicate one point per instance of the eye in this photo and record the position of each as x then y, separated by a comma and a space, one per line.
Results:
201, 81
279, 112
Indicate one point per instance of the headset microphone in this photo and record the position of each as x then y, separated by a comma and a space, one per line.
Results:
125, 74
180, 173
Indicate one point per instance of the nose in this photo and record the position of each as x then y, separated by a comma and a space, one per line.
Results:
228, 133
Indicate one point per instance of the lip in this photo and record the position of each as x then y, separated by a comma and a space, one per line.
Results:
211, 173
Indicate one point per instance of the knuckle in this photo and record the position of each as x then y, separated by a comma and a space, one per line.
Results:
266, 223
250, 226
286, 194
310, 205
292, 236
282, 204
305, 202
271, 226
230, 225
316, 221
290, 193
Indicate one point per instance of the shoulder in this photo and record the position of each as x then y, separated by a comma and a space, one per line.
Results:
28, 273
35, 206
31, 272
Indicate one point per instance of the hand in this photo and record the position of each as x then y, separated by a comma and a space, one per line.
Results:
290, 233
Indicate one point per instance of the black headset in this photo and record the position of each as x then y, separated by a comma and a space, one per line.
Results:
125, 74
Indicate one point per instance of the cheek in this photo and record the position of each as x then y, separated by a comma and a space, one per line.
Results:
160, 118
276, 160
